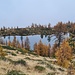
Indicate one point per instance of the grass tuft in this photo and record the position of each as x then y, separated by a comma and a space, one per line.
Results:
51, 74
39, 68
50, 67
8, 47
22, 62
14, 72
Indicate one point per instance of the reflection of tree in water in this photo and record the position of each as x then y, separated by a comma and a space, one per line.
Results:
9, 37
4, 36
1, 40
41, 36
49, 38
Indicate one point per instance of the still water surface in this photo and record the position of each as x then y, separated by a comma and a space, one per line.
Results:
35, 39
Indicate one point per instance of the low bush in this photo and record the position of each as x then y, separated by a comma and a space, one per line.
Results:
38, 60
50, 67
39, 68
22, 62
51, 74
31, 52
3, 58
42, 62
13, 54
8, 47
28, 58
20, 50
60, 69
14, 72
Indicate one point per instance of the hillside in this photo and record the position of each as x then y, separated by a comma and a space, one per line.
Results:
28, 64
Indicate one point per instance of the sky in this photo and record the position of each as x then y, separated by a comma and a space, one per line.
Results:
23, 13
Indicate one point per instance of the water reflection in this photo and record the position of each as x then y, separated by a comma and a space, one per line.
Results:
46, 39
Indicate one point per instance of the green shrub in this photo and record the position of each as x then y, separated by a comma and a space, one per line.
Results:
6, 59
60, 69
20, 50
14, 72
42, 62
50, 67
28, 58
22, 62
39, 68
13, 54
38, 60
8, 47
3, 58
51, 74
31, 52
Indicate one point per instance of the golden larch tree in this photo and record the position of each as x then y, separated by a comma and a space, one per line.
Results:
27, 44
41, 49
64, 54
14, 42
2, 53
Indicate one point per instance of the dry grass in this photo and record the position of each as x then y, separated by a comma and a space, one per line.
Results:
28, 64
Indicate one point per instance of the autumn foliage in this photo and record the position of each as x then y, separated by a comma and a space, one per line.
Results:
42, 49
64, 54
2, 53
53, 50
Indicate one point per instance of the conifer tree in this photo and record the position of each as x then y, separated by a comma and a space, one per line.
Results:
27, 44
18, 44
49, 50
35, 47
2, 53
14, 42
64, 54
9, 43
53, 50
42, 49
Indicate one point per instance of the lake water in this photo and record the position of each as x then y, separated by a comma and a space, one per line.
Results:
35, 39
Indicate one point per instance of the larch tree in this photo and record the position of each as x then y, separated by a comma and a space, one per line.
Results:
27, 43
45, 50
71, 41
2, 53
35, 47
59, 29
41, 49
9, 43
14, 42
53, 50
64, 54
49, 50
18, 44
